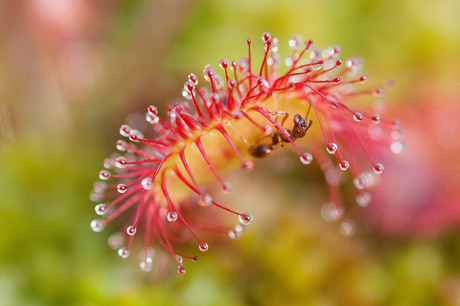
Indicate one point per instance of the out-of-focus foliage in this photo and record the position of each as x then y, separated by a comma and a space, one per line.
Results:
70, 73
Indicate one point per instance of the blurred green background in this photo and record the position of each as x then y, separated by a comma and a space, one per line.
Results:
72, 71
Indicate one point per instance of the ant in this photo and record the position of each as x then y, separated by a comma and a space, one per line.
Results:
299, 130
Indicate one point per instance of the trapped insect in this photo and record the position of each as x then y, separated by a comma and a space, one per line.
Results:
300, 128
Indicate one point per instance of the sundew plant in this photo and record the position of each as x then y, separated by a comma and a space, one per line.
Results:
247, 111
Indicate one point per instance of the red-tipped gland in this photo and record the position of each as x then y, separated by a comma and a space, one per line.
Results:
344, 165
131, 230
266, 36
122, 188
267, 129
223, 64
180, 270
97, 225
226, 187
376, 119
203, 247
306, 158
208, 73
237, 115
378, 168
171, 216
248, 165
123, 252
135, 135
245, 218
215, 98
331, 148
307, 45
234, 65
268, 45
152, 110
205, 200
358, 116
189, 86
363, 79
100, 209
290, 86
121, 145
147, 183
317, 63
336, 80
104, 175
121, 162
193, 78
336, 50
231, 83
262, 82
125, 130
